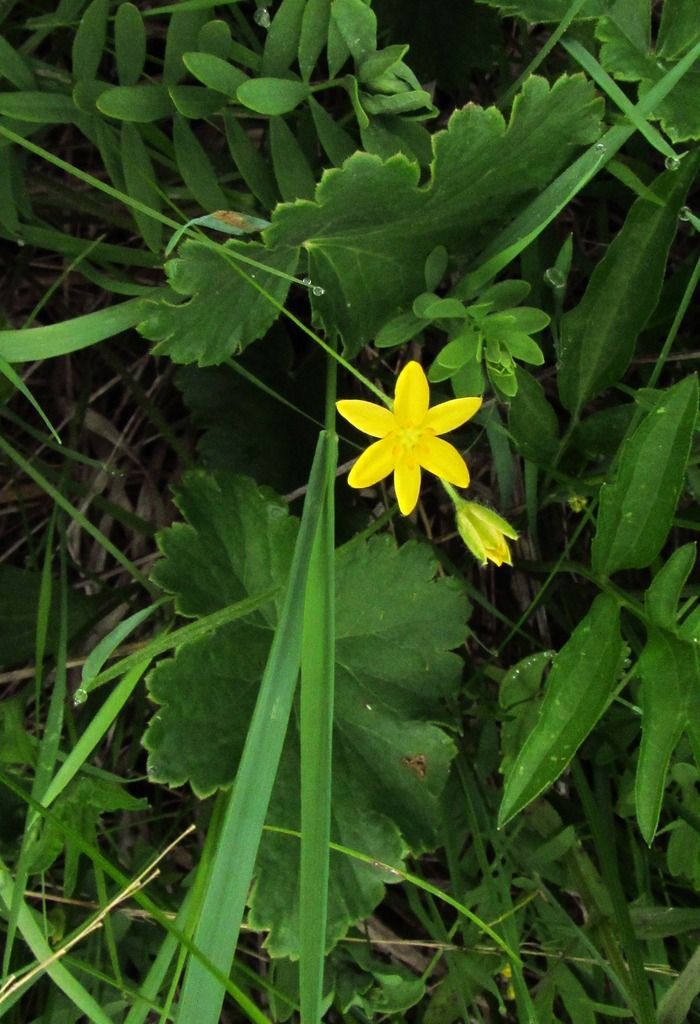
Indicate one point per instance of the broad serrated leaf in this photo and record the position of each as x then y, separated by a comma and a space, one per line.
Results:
636, 510
578, 690
598, 336
670, 699
223, 311
393, 663
372, 220
629, 57
662, 598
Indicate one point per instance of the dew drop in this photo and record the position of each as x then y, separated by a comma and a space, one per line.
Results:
599, 147
554, 277
262, 17
306, 281
369, 707
672, 163
80, 696
20, 242
316, 289
684, 213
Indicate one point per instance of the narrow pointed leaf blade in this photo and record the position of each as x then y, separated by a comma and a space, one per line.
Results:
578, 691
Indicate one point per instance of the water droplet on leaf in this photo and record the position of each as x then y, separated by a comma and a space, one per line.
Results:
554, 278
672, 163
317, 290
684, 213
262, 17
80, 696
599, 147
306, 281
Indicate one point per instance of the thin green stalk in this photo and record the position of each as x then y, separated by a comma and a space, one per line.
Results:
48, 749
556, 35
186, 634
406, 876
600, 819
316, 737
244, 1002
224, 903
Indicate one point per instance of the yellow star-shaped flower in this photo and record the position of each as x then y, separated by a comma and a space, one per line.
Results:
409, 437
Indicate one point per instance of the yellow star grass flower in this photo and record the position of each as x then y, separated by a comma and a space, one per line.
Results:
409, 437
484, 532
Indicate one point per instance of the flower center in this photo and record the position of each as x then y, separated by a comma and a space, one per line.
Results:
409, 437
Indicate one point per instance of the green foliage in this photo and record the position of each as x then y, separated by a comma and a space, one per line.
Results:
370, 220
494, 189
637, 508
579, 688
238, 541
218, 288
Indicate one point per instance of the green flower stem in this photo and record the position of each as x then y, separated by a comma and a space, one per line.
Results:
328, 349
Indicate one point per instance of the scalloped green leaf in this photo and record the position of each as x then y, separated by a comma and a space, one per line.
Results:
629, 57
372, 220
396, 626
221, 312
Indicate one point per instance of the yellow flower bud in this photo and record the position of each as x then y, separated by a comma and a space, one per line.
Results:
484, 532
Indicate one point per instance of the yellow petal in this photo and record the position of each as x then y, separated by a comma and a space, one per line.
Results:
407, 484
371, 419
412, 396
374, 464
450, 415
442, 459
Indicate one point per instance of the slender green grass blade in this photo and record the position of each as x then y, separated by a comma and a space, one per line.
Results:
316, 733
108, 644
88, 740
18, 346
15, 379
224, 904
516, 237
399, 874
75, 513
613, 90
31, 931
48, 749
186, 634
244, 1002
